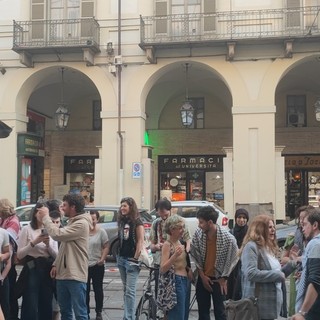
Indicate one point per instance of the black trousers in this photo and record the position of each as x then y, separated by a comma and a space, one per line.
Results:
204, 301
14, 307
95, 274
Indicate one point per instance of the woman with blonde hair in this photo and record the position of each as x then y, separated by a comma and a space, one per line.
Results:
261, 274
9, 219
174, 253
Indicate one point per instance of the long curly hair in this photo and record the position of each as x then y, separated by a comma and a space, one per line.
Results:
133, 211
258, 232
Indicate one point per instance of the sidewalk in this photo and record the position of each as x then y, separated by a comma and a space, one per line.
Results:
113, 295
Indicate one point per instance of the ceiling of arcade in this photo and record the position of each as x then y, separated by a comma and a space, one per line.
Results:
169, 91
302, 79
79, 92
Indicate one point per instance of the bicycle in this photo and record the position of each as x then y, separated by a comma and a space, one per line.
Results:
147, 306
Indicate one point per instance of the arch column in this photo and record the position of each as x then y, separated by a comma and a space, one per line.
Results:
8, 158
116, 182
255, 161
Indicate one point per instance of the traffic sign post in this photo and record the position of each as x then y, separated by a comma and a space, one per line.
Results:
136, 170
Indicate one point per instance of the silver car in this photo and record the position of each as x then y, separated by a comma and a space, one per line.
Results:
107, 220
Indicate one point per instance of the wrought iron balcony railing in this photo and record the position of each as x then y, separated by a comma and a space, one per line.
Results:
46, 34
233, 25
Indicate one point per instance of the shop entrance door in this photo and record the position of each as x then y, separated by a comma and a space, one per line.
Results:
297, 191
196, 185
303, 188
30, 171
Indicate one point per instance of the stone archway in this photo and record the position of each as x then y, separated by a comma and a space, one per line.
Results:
39, 89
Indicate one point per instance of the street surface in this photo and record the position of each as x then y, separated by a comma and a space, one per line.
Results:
113, 295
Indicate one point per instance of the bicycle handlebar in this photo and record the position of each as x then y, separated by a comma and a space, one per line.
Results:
140, 264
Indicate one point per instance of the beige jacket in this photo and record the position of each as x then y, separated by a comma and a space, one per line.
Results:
72, 259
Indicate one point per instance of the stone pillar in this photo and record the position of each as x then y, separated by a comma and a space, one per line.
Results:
228, 182
254, 157
280, 206
8, 158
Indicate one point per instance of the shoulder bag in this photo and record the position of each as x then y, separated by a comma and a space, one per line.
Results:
146, 255
167, 295
245, 308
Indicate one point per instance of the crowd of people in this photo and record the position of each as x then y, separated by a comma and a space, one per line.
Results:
61, 261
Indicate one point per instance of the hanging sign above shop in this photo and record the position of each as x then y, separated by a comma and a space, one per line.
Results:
79, 164
302, 162
30, 145
195, 162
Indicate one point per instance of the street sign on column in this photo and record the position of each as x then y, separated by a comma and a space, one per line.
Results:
136, 170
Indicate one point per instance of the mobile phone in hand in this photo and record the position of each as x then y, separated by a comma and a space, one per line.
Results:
44, 232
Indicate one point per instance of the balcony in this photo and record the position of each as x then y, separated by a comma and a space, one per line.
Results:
203, 29
56, 36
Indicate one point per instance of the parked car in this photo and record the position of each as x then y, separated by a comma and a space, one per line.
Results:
188, 210
24, 214
108, 221
283, 230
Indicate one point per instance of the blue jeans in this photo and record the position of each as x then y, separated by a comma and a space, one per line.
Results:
129, 276
37, 298
71, 294
181, 309
204, 301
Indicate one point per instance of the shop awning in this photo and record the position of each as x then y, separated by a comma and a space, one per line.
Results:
5, 130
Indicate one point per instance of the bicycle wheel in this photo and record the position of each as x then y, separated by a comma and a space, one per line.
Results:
146, 309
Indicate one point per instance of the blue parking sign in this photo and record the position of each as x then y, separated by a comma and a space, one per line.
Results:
136, 170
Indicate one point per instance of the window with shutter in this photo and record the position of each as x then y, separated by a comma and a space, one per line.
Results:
209, 20
161, 17
63, 10
310, 16
37, 17
296, 111
87, 11
293, 15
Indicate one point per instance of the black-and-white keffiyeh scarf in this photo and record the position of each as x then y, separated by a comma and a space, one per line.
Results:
226, 254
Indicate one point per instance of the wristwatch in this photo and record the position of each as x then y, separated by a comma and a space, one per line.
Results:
303, 313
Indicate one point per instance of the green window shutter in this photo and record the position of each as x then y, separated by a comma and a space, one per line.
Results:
209, 21
161, 17
37, 17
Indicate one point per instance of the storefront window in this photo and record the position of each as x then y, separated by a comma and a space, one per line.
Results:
302, 182
82, 183
195, 177
214, 188
173, 186
314, 188
79, 176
